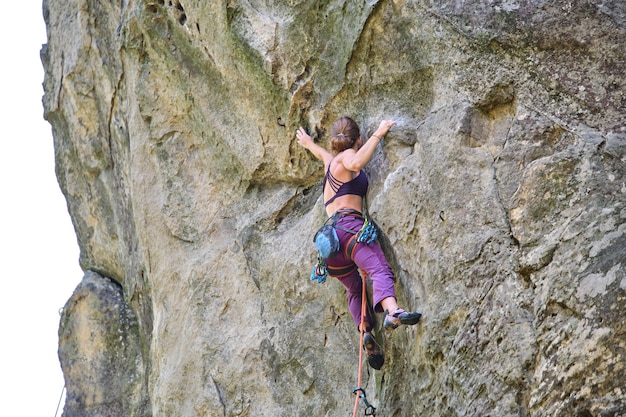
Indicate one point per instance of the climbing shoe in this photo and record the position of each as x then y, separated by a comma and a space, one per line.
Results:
398, 317
375, 356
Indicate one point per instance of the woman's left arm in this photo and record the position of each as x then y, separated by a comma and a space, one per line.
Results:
307, 142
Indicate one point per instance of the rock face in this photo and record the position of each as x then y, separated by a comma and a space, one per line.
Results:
500, 194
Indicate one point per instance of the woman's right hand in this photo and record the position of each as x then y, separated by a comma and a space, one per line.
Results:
384, 127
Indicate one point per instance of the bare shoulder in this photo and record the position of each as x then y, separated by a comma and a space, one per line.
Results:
345, 158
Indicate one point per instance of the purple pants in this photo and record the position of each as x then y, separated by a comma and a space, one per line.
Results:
371, 259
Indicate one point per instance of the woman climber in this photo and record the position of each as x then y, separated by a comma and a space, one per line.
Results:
344, 188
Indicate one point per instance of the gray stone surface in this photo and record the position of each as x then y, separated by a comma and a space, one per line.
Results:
500, 193
101, 353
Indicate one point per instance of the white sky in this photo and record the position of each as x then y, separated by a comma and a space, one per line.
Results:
38, 253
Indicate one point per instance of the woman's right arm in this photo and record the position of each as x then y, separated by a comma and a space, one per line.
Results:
355, 161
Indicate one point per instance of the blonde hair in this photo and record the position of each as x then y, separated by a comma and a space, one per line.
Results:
343, 134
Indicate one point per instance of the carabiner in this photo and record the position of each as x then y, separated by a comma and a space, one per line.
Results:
370, 410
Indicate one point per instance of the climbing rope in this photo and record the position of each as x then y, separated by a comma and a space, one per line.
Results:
59, 404
369, 410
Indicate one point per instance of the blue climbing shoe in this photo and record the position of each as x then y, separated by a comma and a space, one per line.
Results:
375, 356
398, 317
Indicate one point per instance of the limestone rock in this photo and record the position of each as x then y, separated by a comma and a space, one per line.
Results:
101, 354
500, 194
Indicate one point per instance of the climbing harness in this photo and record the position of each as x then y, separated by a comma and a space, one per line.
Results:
369, 410
327, 242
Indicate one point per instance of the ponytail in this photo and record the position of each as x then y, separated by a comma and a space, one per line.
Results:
343, 134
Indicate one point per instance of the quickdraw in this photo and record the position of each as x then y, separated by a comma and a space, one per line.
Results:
370, 410
368, 232
320, 271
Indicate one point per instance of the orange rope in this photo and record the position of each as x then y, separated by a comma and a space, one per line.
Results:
362, 327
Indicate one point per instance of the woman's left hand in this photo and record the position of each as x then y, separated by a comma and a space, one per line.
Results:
303, 138
307, 142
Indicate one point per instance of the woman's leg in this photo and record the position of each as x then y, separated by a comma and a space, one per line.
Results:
353, 281
354, 291
389, 304
371, 259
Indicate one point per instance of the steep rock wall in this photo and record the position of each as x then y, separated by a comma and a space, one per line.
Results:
500, 195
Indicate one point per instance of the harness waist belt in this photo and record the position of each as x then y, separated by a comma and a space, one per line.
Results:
340, 214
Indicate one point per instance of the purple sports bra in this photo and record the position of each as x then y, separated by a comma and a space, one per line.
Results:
356, 186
